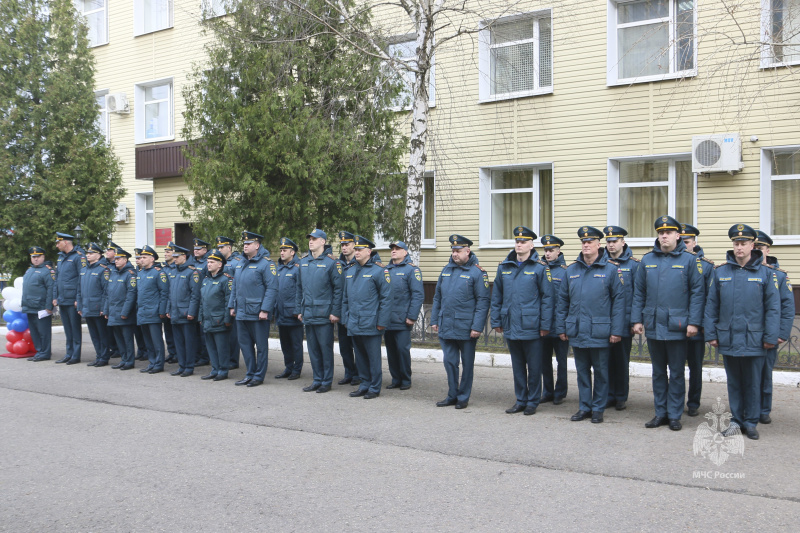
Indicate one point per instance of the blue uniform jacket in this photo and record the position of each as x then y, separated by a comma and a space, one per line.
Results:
558, 271
233, 264
285, 311
668, 293
591, 303
744, 308
184, 294
94, 289
461, 301
37, 289
319, 288
787, 302
708, 272
152, 296
68, 277
121, 296
215, 291
628, 266
522, 297
255, 287
407, 293
367, 300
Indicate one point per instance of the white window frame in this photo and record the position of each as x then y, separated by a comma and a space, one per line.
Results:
613, 59
141, 216
767, 57
103, 119
485, 63
485, 200
138, 18
612, 212
139, 110
765, 215
400, 39
382, 244
208, 10
80, 7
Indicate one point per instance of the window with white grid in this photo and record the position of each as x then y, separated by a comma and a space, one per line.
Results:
151, 15
780, 23
404, 48
95, 12
102, 117
780, 194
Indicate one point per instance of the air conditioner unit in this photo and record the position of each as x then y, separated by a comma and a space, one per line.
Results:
121, 213
117, 103
717, 153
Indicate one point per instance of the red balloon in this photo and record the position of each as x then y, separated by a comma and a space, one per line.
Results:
13, 336
20, 347
10, 347
31, 347
27, 335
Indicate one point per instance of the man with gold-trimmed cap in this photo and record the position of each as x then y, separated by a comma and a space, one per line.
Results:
108, 255
233, 263
290, 329
198, 260
554, 390
591, 315
152, 297
668, 301
215, 319
94, 289
367, 306
183, 310
460, 306
762, 244
200, 250
522, 310
142, 352
37, 296
65, 294
169, 269
120, 307
347, 258
742, 319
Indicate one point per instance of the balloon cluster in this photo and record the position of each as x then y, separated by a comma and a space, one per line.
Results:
18, 338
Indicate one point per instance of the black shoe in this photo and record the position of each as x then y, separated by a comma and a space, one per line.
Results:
344, 381
323, 389
176, 372
447, 402
530, 410
255, 383
243, 381
208, 376
732, 430
358, 392
34, 359
371, 395
355, 382
405, 387
462, 405
312, 387
73, 361
393, 386
126, 367
545, 399
597, 418
693, 411
145, 370
118, 366
187, 373
155, 370
284, 374
63, 360
219, 377
765, 419
93, 363
621, 406
171, 360
98, 364
751, 432
657, 421
558, 401
516, 408
293, 377
611, 403
675, 424
581, 415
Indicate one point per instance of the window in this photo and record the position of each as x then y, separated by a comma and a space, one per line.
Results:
780, 32
650, 40
641, 190
405, 48
780, 194
145, 221
515, 196
516, 57
216, 8
102, 118
96, 20
153, 111
428, 212
151, 15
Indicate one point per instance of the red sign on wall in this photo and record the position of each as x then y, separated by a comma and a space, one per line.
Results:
163, 236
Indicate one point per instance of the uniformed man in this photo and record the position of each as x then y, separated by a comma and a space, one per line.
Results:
166, 323
366, 306
142, 352
252, 301
668, 299
460, 306
200, 252
742, 319
37, 295
214, 315
319, 306
183, 309
120, 307
65, 294
591, 314
347, 258
620, 356
762, 244
290, 330
199, 262
94, 289
152, 297
522, 310
697, 344
110, 252
552, 343
233, 259
407, 297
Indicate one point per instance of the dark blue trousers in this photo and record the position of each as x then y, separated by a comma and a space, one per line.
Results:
41, 334
292, 347
694, 359
744, 388
233, 346
347, 352
766, 380
124, 337
668, 394
526, 364
169, 337
98, 332
368, 361
561, 349
254, 343
218, 344
587, 359
72, 329
185, 344
619, 362
320, 352
398, 355
455, 351
202, 349
155, 345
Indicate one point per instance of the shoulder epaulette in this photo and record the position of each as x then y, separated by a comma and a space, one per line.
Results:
158, 268
648, 253
192, 267
542, 262
331, 256
412, 264
690, 252
613, 262
707, 260
480, 268
635, 259
379, 263
226, 274
573, 263
720, 265
773, 267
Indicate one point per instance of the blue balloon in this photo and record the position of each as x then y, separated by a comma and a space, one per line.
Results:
9, 316
19, 325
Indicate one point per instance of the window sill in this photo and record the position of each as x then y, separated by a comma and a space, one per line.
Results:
152, 31
779, 64
649, 79
785, 240
98, 45
427, 246
155, 140
514, 96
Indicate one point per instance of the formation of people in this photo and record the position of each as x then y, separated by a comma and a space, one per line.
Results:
211, 305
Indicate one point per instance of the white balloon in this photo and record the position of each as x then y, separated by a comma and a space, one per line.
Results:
9, 293
18, 284
13, 305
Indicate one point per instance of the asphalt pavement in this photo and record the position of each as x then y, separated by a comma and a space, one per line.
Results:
96, 449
